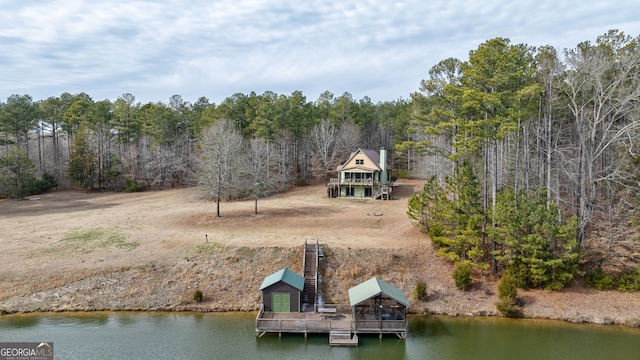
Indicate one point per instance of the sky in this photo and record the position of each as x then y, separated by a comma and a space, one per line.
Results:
376, 48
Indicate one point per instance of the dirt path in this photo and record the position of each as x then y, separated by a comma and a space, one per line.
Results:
78, 251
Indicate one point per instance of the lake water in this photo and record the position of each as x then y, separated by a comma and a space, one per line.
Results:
136, 335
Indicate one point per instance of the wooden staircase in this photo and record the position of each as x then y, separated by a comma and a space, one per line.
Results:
310, 265
383, 192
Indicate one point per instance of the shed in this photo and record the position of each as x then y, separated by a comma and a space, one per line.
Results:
281, 291
375, 299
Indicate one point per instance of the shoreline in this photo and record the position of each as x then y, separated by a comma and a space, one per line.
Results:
73, 251
232, 287
633, 323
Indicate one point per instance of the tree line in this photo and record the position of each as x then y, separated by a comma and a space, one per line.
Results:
533, 158
73, 141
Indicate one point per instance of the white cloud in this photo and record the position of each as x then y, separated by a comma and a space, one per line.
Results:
379, 48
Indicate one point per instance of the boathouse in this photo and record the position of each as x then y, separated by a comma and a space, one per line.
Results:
378, 307
281, 291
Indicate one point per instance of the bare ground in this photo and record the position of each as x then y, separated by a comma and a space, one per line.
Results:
70, 251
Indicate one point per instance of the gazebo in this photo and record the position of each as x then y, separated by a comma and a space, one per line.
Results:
378, 307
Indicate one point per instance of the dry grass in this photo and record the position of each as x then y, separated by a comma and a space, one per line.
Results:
148, 251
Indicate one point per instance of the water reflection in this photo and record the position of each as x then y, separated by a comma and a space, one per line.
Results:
22, 321
141, 335
422, 326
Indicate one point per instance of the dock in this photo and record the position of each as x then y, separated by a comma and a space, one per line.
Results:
343, 338
377, 310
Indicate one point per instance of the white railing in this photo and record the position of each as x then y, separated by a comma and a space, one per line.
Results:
357, 181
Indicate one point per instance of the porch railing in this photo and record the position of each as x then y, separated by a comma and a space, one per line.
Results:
356, 181
377, 325
297, 325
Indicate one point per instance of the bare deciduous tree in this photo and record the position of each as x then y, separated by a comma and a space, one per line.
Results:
323, 142
218, 160
347, 140
603, 93
257, 170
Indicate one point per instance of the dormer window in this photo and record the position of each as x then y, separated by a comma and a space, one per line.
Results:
359, 161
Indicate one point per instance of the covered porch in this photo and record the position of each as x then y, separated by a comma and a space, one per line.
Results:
360, 183
377, 307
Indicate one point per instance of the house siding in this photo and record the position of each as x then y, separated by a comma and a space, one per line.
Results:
367, 163
355, 191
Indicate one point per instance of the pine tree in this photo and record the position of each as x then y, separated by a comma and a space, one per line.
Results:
82, 162
16, 171
534, 245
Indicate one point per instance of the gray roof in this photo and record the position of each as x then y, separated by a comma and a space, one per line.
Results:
285, 275
374, 287
373, 156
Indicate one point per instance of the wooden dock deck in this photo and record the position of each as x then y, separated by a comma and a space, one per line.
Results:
343, 338
326, 323
303, 322
336, 320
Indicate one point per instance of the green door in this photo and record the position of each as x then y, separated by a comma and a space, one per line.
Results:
280, 302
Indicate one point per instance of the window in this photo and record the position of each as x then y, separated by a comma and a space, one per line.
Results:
359, 161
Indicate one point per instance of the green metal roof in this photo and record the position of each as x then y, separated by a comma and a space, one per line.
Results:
286, 276
374, 287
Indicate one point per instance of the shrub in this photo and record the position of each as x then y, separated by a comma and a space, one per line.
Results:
47, 182
600, 280
508, 293
33, 186
133, 186
402, 173
630, 282
508, 308
462, 275
197, 296
420, 291
507, 288
622, 282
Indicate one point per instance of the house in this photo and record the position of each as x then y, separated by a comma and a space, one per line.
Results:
281, 291
366, 174
378, 307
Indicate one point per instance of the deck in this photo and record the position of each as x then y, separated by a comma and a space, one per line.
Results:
304, 322
342, 338
326, 322
336, 320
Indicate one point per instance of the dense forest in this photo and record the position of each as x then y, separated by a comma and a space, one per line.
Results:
531, 155
534, 162
105, 145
